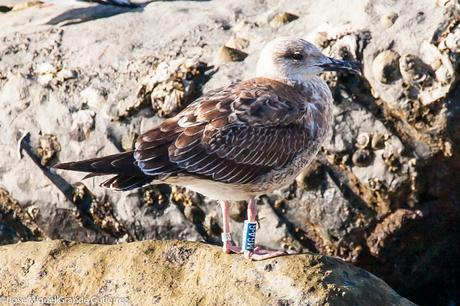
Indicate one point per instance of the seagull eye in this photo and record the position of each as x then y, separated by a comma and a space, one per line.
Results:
297, 56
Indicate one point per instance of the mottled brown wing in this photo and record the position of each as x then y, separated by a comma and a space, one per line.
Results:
231, 135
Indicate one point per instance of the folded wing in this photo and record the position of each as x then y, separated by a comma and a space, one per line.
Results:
230, 135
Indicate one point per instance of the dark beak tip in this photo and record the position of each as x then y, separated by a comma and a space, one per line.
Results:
341, 65
357, 67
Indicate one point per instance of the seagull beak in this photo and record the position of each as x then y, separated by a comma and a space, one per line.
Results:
339, 65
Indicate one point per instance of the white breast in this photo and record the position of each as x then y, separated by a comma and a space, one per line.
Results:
212, 189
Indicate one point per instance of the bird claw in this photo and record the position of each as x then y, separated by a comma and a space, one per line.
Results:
262, 254
230, 248
257, 254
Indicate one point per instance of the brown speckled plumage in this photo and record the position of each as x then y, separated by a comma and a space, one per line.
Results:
235, 135
237, 141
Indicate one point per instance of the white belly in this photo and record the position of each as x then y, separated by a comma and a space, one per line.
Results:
213, 190
267, 183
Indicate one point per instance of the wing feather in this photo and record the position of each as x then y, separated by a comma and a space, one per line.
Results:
232, 135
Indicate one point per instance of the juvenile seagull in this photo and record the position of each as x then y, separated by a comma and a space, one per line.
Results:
237, 142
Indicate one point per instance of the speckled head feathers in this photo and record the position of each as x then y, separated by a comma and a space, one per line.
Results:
295, 59
290, 58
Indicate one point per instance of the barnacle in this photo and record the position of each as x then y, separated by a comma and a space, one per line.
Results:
378, 140
228, 54
363, 140
171, 87
385, 67
362, 158
47, 148
282, 19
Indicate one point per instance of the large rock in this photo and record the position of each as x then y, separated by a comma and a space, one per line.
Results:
183, 273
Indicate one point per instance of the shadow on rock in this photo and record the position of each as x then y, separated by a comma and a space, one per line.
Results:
80, 15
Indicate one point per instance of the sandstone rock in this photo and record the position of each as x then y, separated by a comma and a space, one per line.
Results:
183, 273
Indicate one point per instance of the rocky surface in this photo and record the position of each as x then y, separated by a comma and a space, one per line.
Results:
85, 80
183, 273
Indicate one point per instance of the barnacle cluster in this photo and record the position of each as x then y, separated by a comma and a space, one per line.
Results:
12, 212
172, 86
48, 148
100, 212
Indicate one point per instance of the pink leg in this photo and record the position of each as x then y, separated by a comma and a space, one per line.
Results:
228, 247
258, 253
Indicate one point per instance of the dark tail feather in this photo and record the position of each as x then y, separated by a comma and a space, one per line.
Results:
126, 182
92, 174
128, 177
112, 164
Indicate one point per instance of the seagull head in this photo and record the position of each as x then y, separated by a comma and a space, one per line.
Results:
295, 59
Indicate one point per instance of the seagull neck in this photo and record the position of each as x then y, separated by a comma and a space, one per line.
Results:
315, 81
317, 90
